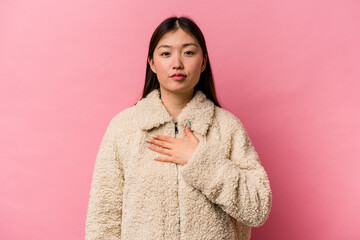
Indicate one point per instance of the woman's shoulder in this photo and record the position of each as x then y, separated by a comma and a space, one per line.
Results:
125, 114
227, 118
132, 113
123, 120
229, 124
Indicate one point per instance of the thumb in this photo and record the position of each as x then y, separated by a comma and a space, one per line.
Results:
188, 131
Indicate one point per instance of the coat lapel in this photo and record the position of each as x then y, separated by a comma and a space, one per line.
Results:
152, 112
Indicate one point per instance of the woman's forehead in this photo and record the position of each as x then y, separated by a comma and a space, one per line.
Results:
179, 38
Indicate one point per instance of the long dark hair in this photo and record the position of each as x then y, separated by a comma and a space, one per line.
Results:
206, 82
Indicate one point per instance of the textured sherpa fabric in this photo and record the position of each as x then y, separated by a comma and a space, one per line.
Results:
220, 193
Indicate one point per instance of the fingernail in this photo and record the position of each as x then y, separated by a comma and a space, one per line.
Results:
188, 124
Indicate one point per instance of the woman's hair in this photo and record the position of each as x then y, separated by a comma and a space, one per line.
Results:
206, 83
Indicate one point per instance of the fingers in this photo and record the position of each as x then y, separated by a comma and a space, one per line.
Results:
163, 138
159, 143
159, 149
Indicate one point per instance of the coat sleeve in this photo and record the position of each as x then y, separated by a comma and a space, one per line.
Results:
238, 184
104, 212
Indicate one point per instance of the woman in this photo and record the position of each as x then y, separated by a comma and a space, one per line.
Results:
176, 165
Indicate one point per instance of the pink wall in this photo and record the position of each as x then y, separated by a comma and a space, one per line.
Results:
288, 69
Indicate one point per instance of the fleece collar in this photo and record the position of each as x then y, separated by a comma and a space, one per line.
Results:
199, 111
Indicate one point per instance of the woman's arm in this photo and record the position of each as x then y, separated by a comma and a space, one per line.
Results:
105, 202
239, 185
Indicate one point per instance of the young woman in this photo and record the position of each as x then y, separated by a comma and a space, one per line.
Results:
176, 165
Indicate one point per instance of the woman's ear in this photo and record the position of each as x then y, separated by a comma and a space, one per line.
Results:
204, 63
151, 63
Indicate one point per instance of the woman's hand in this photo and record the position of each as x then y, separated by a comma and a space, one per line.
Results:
179, 150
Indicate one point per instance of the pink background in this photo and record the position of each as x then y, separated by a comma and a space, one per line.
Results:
288, 69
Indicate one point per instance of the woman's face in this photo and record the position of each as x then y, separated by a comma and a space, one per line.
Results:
178, 52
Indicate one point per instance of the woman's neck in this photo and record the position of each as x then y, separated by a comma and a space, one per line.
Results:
174, 103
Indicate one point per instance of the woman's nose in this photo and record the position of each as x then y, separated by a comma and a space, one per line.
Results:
177, 61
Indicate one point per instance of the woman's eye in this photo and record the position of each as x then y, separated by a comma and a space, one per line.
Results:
167, 54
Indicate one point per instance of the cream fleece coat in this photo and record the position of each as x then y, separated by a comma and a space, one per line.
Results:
220, 193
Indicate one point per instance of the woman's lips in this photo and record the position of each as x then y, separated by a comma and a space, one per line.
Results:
180, 77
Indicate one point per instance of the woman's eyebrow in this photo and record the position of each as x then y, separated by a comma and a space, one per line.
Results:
184, 45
